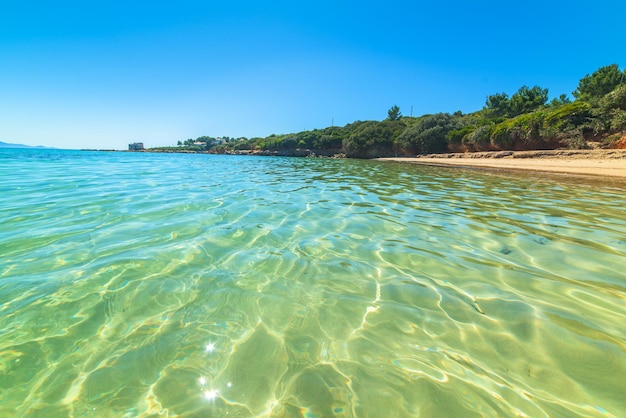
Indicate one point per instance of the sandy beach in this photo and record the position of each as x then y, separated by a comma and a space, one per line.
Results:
599, 162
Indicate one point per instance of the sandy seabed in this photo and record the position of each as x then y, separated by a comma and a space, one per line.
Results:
599, 162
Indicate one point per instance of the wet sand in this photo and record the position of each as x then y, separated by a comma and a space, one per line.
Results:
609, 162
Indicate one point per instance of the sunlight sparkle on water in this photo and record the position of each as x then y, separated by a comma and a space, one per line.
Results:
211, 395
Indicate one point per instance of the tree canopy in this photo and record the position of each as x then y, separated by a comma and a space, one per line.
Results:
523, 101
602, 81
526, 100
394, 113
497, 104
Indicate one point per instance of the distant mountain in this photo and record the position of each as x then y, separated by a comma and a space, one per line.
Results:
7, 145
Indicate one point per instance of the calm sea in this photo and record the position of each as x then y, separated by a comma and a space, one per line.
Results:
135, 284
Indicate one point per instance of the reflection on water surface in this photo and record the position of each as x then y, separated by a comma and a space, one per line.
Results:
194, 285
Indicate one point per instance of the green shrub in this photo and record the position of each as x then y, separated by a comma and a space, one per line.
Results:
456, 136
570, 115
525, 128
373, 139
428, 134
618, 120
480, 137
614, 100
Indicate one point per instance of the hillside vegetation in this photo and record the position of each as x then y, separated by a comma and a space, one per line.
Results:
526, 120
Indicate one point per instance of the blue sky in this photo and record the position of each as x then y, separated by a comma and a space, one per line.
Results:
94, 74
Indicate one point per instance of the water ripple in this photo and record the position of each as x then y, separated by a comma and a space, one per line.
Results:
191, 285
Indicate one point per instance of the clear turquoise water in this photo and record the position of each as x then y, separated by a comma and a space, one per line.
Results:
194, 285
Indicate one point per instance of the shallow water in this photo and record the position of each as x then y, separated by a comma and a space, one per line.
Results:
137, 284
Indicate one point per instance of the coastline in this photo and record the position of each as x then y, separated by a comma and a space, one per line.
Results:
599, 162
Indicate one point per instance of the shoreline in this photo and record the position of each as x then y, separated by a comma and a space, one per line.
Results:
601, 162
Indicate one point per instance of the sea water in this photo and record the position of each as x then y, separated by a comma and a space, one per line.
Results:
138, 284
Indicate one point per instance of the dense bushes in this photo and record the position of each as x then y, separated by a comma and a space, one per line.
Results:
568, 116
429, 134
521, 132
318, 139
612, 110
372, 139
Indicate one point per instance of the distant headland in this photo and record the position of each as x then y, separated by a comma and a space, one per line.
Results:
9, 145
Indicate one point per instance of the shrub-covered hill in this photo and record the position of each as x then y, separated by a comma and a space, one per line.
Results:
524, 121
